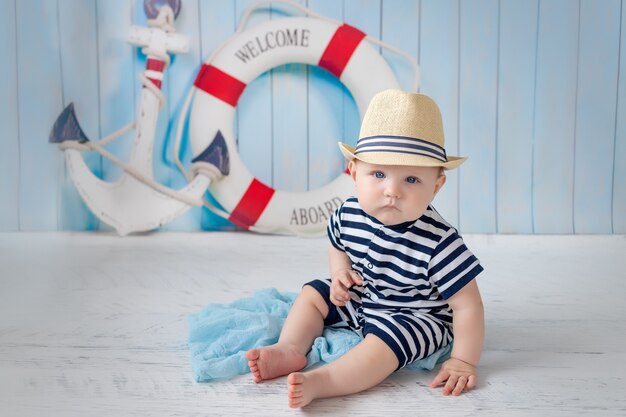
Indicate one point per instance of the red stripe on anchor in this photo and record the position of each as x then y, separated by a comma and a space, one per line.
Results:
219, 84
155, 81
340, 49
252, 204
155, 65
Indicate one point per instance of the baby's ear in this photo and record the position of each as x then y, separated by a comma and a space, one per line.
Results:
352, 169
440, 181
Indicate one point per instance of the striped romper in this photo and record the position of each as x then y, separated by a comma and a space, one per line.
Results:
409, 270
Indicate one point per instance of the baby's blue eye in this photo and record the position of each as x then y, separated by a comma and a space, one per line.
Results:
379, 174
411, 180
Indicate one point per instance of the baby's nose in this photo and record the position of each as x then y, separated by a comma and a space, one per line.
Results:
392, 190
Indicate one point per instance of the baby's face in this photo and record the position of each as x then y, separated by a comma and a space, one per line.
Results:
395, 194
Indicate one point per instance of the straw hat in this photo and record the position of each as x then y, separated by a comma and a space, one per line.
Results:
402, 128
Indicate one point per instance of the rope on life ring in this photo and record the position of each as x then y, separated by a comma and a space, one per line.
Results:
337, 47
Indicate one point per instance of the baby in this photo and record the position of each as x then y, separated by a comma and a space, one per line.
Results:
401, 276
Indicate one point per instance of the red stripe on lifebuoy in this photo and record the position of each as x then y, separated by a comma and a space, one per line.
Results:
340, 49
155, 65
219, 84
252, 204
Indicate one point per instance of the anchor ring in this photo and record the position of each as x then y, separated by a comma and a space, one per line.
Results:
152, 7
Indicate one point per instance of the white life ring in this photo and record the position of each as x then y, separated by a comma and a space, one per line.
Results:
337, 48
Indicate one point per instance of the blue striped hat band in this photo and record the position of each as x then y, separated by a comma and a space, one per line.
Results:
401, 144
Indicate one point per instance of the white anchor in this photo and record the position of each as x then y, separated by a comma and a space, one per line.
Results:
135, 202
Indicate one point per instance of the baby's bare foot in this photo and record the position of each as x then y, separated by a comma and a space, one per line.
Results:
300, 390
274, 361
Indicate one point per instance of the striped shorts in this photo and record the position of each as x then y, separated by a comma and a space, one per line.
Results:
411, 335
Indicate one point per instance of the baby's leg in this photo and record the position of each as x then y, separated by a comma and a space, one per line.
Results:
366, 365
304, 323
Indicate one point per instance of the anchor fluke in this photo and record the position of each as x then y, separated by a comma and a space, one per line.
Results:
66, 127
216, 154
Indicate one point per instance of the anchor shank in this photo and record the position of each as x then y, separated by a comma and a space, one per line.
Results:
147, 116
148, 111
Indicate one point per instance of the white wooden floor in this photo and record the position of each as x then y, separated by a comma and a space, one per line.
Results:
95, 325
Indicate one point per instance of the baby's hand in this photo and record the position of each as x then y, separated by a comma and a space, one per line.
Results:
340, 282
457, 375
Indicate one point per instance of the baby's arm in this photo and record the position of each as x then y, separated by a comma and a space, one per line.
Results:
459, 372
342, 276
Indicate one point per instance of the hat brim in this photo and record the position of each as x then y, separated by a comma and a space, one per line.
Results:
394, 158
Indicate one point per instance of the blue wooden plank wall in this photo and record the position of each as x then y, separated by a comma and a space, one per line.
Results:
533, 91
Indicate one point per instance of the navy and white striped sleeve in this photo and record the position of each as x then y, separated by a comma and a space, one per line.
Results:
452, 265
334, 229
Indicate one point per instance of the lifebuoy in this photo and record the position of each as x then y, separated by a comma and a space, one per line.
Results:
341, 50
